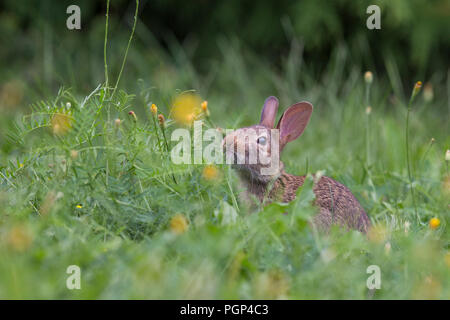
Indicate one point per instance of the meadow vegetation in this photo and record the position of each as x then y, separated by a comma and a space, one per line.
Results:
86, 179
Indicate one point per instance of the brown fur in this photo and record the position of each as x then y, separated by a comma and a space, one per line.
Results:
337, 205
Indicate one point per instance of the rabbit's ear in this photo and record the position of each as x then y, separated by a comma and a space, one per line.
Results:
293, 122
269, 112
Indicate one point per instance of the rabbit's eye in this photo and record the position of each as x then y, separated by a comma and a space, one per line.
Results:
262, 140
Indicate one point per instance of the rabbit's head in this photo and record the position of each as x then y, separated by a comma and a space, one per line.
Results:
255, 150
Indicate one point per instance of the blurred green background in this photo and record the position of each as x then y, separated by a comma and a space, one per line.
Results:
38, 50
194, 41
109, 206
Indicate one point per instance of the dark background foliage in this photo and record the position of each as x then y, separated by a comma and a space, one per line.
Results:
414, 32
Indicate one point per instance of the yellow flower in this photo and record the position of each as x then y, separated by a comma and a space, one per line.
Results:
205, 108
418, 85
179, 224
186, 107
416, 89
61, 123
79, 206
434, 223
210, 173
368, 77
21, 165
154, 108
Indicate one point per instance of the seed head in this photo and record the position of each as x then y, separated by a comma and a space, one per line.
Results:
74, 154
368, 77
133, 115
161, 120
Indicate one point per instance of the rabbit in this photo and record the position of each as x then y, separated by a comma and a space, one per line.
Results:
336, 204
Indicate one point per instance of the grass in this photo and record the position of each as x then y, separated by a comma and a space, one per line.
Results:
103, 196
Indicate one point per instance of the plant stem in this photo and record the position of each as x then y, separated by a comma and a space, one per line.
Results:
407, 156
368, 124
128, 46
105, 45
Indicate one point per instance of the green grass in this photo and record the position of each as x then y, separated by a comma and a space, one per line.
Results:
124, 181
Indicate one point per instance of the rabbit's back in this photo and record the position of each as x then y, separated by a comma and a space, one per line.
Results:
336, 202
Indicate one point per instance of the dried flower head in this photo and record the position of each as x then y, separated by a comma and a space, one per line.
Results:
161, 120
117, 122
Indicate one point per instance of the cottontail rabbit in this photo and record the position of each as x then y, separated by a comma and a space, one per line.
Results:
336, 203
